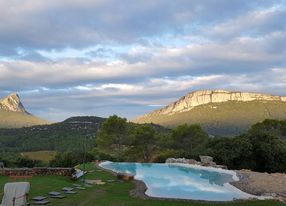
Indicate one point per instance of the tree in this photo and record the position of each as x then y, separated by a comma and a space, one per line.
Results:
69, 159
189, 138
234, 152
143, 142
112, 136
269, 152
256, 151
270, 127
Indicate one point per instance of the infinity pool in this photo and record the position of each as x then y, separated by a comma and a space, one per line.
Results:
182, 181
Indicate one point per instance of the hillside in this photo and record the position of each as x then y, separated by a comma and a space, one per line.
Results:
219, 112
67, 135
14, 115
16, 120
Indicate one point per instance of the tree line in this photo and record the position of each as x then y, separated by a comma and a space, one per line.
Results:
262, 148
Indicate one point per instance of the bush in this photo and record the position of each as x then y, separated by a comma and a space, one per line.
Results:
70, 159
12, 160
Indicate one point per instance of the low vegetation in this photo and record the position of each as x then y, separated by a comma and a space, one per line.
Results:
44, 156
11, 160
262, 148
69, 135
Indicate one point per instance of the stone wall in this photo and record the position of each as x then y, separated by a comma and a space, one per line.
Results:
36, 171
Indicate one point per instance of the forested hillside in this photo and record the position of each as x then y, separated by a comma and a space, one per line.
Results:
64, 136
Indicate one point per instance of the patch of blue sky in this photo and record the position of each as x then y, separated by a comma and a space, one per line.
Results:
6, 59
110, 50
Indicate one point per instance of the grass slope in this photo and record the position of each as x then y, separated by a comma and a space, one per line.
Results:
111, 194
227, 118
10, 119
44, 156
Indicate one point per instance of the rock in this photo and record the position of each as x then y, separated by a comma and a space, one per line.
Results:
197, 98
193, 162
181, 160
95, 182
206, 159
271, 194
125, 176
170, 160
37, 171
221, 166
12, 103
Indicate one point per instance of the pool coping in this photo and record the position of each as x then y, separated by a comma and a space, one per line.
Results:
140, 191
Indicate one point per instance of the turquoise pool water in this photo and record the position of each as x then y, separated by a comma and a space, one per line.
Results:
182, 181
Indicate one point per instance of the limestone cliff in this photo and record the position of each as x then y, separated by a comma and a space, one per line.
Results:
12, 103
197, 98
14, 115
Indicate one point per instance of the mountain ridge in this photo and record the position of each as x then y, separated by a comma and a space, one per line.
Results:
219, 112
201, 97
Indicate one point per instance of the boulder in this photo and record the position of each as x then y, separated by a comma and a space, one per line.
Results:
221, 166
170, 160
125, 176
206, 159
193, 162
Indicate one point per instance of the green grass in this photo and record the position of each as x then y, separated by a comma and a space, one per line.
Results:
111, 194
44, 156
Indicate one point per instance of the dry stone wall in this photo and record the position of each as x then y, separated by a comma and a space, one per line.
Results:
36, 171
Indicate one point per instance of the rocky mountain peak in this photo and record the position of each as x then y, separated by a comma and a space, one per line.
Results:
12, 103
201, 97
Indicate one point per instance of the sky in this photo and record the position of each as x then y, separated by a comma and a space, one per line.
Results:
105, 57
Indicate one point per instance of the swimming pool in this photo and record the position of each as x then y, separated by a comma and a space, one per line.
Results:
182, 181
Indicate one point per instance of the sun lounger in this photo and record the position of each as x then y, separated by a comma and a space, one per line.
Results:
15, 194
78, 174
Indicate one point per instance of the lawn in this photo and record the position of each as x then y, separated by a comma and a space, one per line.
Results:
111, 194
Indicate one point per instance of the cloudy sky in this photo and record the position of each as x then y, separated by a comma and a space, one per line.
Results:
104, 57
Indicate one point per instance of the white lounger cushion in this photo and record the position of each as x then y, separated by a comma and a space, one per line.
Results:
15, 190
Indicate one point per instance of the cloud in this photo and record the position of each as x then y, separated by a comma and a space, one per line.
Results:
254, 23
98, 57
57, 25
